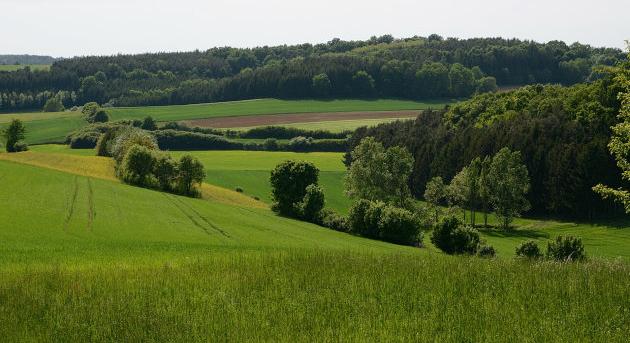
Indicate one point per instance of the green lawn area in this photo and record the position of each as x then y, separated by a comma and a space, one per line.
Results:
84, 259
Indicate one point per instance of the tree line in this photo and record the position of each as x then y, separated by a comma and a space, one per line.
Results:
416, 67
561, 132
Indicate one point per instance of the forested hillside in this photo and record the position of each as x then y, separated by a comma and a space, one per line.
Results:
562, 133
414, 68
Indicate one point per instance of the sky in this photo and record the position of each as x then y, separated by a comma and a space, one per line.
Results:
65, 28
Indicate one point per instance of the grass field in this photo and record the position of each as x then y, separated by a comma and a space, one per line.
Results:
334, 125
85, 259
250, 170
14, 67
53, 127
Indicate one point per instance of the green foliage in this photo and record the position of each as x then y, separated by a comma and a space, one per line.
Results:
129, 137
566, 248
486, 251
619, 145
90, 109
452, 237
270, 144
149, 124
321, 85
165, 171
508, 186
311, 206
377, 173
378, 220
363, 84
289, 181
100, 117
190, 173
528, 249
435, 194
137, 165
54, 104
13, 134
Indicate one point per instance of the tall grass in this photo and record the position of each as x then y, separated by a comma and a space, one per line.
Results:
318, 295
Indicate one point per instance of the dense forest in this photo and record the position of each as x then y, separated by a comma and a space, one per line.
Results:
561, 132
414, 68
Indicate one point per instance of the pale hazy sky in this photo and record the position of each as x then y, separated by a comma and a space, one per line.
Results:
87, 27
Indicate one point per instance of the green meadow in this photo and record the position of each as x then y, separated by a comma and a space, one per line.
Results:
14, 67
104, 261
335, 125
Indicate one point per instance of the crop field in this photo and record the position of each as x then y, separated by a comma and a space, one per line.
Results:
107, 261
14, 67
334, 125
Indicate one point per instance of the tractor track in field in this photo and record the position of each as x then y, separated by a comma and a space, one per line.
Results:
182, 207
73, 200
91, 209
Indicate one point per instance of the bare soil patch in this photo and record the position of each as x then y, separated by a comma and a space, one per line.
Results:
276, 119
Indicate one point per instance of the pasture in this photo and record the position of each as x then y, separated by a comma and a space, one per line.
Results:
15, 67
107, 261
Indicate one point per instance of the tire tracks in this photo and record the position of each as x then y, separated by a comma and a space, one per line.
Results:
73, 200
182, 207
91, 209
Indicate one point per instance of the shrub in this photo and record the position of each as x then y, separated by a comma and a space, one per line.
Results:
528, 249
452, 237
165, 171
190, 173
357, 223
149, 124
270, 144
486, 251
20, 146
333, 220
312, 204
53, 104
308, 144
239, 189
182, 140
397, 225
84, 140
100, 117
289, 180
13, 134
130, 137
566, 248
137, 165
282, 132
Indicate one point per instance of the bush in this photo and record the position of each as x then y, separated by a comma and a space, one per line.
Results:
566, 248
183, 140
397, 225
528, 249
486, 251
53, 104
270, 144
165, 171
20, 146
289, 181
333, 220
357, 223
281, 132
239, 190
129, 137
451, 236
137, 165
313, 203
304, 144
149, 124
84, 140
100, 117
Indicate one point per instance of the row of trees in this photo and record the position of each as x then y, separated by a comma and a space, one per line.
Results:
497, 183
417, 67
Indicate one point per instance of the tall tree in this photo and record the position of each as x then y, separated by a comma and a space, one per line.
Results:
509, 182
435, 194
619, 145
14, 133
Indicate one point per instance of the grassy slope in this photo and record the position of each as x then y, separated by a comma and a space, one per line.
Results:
250, 171
106, 261
14, 67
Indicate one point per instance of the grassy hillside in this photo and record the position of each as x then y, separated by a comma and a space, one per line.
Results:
250, 170
14, 67
106, 261
335, 125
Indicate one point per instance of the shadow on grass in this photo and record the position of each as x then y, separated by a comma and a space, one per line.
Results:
527, 233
